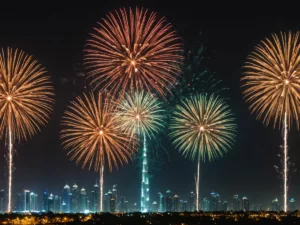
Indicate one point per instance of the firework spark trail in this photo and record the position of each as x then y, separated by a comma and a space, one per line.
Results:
198, 187
285, 178
26, 100
132, 49
93, 137
101, 188
271, 82
202, 126
10, 168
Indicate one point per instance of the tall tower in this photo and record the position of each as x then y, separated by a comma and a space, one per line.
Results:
169, 201
26, 200
2, 194
192, 202
83, 200
95, 198
236, 204
245, 204
176, 203
66, 199
51, 203
45, 201
33, 202
75, 199
145, 181
115, 196
160, 202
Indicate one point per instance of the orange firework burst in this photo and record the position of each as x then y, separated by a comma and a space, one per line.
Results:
92, 134
26, 99
272, 79
25, 94
133, 49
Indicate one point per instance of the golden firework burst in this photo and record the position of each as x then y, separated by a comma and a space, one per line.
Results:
271, 80
133, 49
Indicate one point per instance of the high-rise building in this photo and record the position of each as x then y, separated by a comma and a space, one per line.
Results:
176, 203
183, 206
292, 205
224, 206
57, 204
83, 200
2, 195
169, 201
33, 202
236, 203
215, 202
122, 204
154, 207
75, 205
245, 204
44, 207
275, 205
66, 199
26, 200
192, 202
115, 196
51, 203
95, 198
20, 202
145, 197
160, 202
205, 205
112, 205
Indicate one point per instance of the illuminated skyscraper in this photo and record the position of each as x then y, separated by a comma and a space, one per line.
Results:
51, 203
160, 202
169, 201
145, 199
20, 202
122, 204
292, 205
95, 198
44, 207
33, 202
183, 206
115, 196
66, 199
75, 206
154, 207
57, 204
176, 201
224, 206
215, 202
275, 205
26, 200
83, 200
236, 203
245, 204
205, 205
192, 202
112, 205
2, 195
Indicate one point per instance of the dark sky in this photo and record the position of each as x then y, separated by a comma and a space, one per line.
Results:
55, 35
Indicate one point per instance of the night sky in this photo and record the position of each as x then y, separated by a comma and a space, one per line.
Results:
56, 35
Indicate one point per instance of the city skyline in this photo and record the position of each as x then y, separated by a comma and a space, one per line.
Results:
247, 169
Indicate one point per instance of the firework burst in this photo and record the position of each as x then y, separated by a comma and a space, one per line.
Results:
271, 85
92, 136
202, 127
26, 100
141, 114
133, 49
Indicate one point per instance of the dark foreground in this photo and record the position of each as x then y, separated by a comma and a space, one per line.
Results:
185, 218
